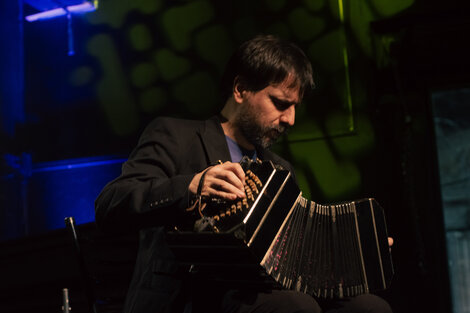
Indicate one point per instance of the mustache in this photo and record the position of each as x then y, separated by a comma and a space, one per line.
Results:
281, 129
272, 134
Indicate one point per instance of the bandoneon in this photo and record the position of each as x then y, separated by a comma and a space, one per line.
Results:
328, 251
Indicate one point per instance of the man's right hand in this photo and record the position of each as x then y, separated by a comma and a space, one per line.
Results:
221, 181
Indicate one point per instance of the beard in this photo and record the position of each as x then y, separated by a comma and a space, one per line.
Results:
258, 135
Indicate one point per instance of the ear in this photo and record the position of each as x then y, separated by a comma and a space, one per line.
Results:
238, 90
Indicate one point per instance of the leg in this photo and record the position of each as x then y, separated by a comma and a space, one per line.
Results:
275, 301
366, 303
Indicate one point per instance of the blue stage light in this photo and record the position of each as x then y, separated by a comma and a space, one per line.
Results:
37, 197
51, 9
67, 188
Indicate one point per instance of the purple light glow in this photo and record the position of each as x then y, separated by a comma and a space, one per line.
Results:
79, 8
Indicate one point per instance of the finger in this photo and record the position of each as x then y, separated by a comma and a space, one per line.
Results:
231, 178
224, 195
219, 192
230, 172
215, 184
237, 176
236, 169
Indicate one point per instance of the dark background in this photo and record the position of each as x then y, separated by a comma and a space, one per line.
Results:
68, 122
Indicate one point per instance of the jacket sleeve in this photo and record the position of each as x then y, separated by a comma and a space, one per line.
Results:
150, 190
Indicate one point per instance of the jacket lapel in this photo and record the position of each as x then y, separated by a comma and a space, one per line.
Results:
214, 142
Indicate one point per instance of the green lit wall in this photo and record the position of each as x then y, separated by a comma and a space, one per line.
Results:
144, 58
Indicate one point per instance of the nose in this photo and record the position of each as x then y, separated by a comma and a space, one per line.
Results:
288, 116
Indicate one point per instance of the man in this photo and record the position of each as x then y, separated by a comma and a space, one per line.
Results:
176, 161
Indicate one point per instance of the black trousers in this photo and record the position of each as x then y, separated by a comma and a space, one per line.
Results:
283, 301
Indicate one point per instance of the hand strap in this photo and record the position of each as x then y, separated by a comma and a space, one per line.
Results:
201, 184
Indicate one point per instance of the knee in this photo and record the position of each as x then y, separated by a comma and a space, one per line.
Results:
295, 302
276, 301
368, 303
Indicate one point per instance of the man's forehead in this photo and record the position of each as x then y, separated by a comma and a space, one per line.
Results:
288, 89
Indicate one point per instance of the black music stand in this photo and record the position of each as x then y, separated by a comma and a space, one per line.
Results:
86, 279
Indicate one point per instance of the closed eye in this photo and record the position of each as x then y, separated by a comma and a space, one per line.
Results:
281, 105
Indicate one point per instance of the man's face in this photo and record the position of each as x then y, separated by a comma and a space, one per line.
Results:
266, 114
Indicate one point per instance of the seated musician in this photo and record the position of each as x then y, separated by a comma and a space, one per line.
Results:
176, 160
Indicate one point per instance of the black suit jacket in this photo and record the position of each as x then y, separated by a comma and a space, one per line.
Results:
151, 194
